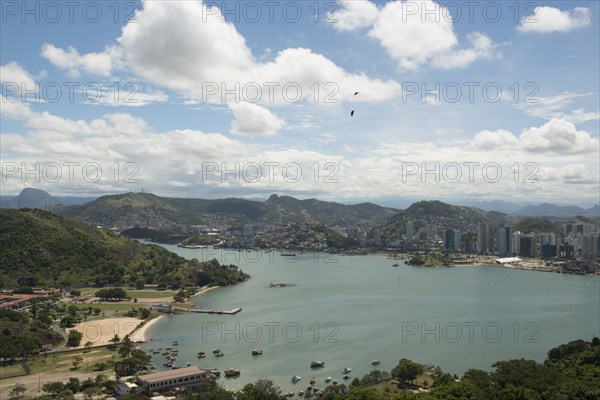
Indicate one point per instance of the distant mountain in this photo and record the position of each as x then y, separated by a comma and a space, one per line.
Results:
147, 210
36, 198
43, 249
554, 210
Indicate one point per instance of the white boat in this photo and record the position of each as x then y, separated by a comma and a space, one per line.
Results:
328, 379
347, 370
296, 378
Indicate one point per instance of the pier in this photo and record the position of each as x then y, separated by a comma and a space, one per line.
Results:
206, 311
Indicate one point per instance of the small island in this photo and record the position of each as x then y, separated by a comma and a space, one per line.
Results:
279, 285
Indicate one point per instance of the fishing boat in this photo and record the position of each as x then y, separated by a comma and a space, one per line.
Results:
375, 362
347, 370
232, 372
328, 379
256, 352
346, 377
296, 378
201, 354
317, 364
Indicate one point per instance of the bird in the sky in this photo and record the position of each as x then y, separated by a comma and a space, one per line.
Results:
355, 93
352, 113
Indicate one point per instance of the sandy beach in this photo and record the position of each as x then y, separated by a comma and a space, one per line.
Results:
142, 333
206, 290
100, 332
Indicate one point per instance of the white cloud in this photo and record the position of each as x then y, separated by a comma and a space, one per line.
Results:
14, 109
254, 120
353, 15
98, 64
558, 136
551, 19
482, 47
13, 77
415, 33
494, 140
555, 107
413, 38
201, 52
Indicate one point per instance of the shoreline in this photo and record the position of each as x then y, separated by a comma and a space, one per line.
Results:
142, 333
208, 289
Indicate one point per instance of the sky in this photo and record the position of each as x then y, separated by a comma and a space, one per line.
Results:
347, 101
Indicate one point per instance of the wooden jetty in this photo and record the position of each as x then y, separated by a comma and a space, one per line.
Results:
206, 311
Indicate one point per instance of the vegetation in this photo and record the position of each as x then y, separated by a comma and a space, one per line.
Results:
536, 225
74, 338
24, 334
40, 248
111, 294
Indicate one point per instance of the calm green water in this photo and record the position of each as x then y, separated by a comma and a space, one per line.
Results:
347, 311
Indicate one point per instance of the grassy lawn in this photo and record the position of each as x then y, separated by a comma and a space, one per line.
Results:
109, 306
64, 362
140, 294
12, 370
150, 294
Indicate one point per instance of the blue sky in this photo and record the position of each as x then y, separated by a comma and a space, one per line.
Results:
478, 101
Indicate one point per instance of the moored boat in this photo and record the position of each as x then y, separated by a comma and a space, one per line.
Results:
257, 352
317, 364
375, 362
296, 378
232, 372
347, 370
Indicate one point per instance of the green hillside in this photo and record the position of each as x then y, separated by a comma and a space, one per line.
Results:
43, 249
146, 210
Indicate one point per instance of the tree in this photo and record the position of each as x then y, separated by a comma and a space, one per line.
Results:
75, 292
407, 370
88, 345
77, 362
126, 347
180, 296
74, 338
116, 339
74, 385
263, 389
17, 391
53, 388
111, 294
145, 313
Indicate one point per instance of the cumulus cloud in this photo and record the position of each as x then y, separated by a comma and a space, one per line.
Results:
557, 136
253, 120
550, 19
202, 57
353, 15
97, 64
414, 33
15, 78
495, 140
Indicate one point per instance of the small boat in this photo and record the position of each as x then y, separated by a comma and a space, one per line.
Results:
168, 364
288, 254
346, 377
232, 372
301, 393
175, 343
214, 372
256, 352
334, 382
215, 351
375, 362
201, 354
328, 379
347, 370
296, 378
395, 265
219, 354
317, 364
313, 381
155, 352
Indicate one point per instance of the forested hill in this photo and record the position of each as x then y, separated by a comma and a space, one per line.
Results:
43, 249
